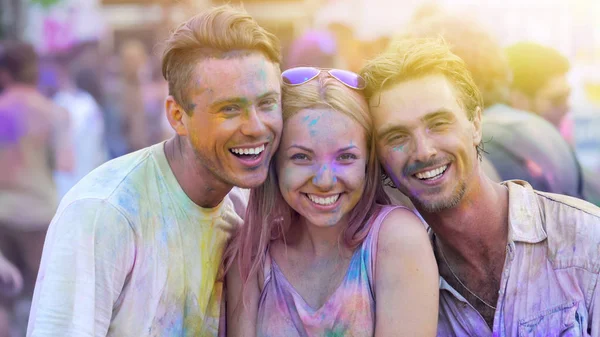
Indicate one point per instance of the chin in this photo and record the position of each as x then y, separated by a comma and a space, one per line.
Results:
252, 180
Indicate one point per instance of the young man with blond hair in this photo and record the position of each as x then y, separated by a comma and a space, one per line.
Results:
513, 261
135, 247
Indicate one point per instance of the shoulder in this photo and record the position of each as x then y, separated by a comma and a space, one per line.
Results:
115, 175
573, 230
121, 182
402, 229
560, 202
85, 218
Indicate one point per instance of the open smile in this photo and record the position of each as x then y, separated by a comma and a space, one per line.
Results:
432, 176
250, 156
325, 203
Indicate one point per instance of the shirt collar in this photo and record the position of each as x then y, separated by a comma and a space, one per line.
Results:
524, 216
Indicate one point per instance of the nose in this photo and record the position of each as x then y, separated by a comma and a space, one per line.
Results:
424, 147
253, 125
325, 178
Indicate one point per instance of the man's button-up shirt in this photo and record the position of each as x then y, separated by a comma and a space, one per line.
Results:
549, 285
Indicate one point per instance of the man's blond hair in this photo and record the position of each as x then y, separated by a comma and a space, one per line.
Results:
220, 32
411, 58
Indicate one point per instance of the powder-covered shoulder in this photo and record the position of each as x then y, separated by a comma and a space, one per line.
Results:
108, 178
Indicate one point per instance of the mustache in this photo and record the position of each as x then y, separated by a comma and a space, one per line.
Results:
417, 166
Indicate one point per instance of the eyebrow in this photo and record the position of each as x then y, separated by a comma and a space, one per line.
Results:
303, 148
441, 113
311, 151
391, 128
242, 100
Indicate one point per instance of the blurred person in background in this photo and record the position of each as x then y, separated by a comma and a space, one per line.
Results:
519, 144
314, 49
133, 59
539, 81
34, 141
87, 125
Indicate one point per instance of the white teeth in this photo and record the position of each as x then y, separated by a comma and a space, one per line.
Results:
433, 173
323, 201
255, 151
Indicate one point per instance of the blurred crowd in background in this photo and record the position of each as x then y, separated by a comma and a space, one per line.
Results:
81, 83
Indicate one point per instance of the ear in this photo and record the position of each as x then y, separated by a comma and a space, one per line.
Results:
477, 127
175, 115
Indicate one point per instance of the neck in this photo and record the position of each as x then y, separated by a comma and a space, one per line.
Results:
476, 230
320, 241
200, 185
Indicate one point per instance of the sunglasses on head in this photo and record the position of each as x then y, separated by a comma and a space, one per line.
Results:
301, 75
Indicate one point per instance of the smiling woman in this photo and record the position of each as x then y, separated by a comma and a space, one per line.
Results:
319, 244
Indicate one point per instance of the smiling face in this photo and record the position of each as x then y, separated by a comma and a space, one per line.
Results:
425, 141
235, 119
321, 165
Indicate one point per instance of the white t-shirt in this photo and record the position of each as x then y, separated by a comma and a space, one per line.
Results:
87, 137
128, 254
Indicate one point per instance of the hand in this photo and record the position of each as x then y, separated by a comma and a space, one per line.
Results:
229, 222
11, 280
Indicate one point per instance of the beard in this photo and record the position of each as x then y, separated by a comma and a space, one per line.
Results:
437, 206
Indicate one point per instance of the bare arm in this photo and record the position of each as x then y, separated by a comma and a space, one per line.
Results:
241, 313
406, 281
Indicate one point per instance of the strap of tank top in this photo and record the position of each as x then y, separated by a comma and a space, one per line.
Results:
266, 269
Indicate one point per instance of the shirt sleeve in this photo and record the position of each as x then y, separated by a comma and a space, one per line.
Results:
88, 254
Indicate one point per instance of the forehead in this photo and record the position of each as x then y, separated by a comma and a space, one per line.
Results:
410, 100
248, 75
321, 127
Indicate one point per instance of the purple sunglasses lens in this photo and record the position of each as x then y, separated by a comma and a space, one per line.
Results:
299, 75
349, 78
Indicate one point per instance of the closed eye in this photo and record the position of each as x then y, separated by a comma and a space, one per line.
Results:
396, 138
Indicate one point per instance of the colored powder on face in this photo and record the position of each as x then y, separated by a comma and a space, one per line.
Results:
399, 148
314, 121
319, 174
